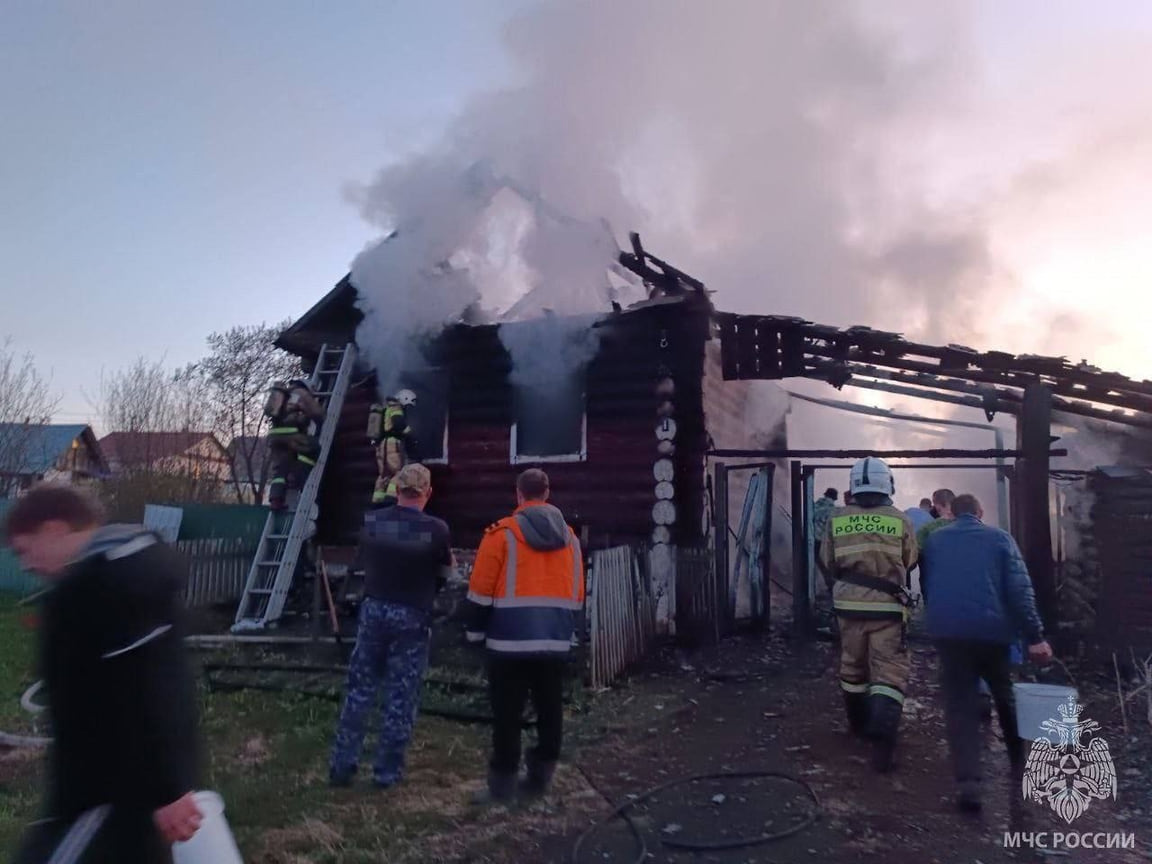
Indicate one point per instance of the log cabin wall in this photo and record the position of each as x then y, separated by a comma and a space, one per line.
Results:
611, 493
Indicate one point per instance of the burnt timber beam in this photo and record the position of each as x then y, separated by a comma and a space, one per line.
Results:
720, 550
1006, 402
768, 347
970, 381
801, 614
666, 277
949, 398
1033, 438
879, 454
1105, 396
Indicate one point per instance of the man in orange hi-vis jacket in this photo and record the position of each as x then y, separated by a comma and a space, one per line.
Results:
527, 588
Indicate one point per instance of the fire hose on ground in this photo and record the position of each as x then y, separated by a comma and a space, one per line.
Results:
622, 811
7, 739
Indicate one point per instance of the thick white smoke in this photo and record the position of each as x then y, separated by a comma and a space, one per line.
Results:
753, 143
463, 244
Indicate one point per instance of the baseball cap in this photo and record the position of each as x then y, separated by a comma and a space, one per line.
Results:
413, 479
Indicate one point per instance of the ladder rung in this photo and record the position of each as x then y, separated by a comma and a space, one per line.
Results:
326, 383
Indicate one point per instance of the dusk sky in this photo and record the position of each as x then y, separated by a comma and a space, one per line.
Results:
170, 169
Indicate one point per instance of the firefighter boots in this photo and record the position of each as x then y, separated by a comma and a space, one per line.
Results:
856, 706
885, 724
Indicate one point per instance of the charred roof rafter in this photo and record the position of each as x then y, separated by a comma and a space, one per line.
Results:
773, 347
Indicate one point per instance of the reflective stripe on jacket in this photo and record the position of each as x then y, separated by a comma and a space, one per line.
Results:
527, 584
395, 422
868, 543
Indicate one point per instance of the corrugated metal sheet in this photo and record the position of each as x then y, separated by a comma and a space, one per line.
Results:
217, 569
621, 613
1122, 515
612, 492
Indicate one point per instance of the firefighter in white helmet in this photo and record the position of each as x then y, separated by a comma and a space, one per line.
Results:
867, 550
390, 433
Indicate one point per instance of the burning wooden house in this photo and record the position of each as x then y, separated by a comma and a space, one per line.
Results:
625, 441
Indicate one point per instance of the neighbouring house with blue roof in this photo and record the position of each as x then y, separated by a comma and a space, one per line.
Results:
32, 452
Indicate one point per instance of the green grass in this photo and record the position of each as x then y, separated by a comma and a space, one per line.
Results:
19, 771
267, 755
17, 650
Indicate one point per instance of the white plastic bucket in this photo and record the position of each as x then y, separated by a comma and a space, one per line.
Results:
213, 842
1036, 703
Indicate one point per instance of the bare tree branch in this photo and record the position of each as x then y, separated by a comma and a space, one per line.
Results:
241, 364
150, 404
25, 401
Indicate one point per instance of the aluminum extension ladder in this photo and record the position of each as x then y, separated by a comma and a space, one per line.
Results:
286, 531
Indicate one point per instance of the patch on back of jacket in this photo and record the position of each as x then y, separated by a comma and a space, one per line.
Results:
867, 523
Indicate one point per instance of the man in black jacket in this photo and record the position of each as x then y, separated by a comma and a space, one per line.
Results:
406, 555
121, 702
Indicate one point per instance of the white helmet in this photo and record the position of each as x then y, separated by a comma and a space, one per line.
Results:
872, 475
405, 397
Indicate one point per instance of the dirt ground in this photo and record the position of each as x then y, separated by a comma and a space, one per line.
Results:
755, 703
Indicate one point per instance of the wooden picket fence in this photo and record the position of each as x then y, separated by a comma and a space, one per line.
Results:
217, 569
622, 612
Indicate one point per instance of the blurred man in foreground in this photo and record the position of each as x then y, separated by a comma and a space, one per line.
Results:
121, 702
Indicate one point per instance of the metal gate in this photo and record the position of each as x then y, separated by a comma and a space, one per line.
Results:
700, 597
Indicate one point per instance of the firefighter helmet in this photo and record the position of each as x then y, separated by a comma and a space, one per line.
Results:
872, 475
405, 397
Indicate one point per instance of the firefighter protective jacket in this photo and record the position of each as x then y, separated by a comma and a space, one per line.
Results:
527, 584
868, 552
302, 408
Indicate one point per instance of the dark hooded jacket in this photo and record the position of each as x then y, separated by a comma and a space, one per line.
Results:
120, 692
527, 584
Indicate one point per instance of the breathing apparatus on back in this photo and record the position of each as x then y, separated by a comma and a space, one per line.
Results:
389, 419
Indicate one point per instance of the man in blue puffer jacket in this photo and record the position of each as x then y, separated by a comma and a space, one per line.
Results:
979, 599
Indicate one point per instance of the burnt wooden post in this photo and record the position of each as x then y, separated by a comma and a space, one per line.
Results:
766, 546
1034, 527
800, 611
720, 531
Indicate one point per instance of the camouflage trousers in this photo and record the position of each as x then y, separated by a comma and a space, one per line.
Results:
390, 656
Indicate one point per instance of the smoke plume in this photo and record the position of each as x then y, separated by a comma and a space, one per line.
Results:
755, 144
